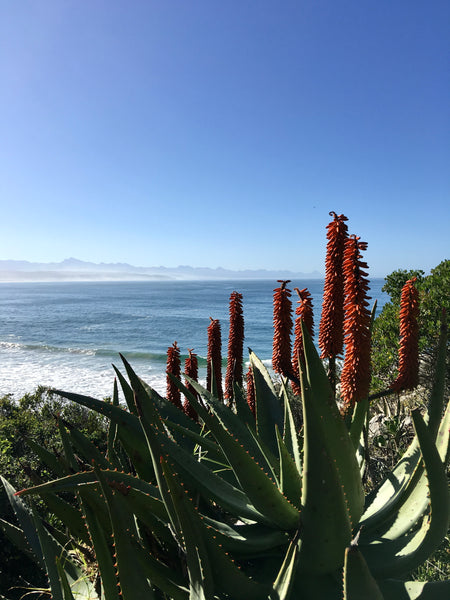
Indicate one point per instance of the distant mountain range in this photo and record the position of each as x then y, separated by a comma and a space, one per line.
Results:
72, 269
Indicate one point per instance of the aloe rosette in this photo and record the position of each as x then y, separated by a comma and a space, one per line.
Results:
236, 505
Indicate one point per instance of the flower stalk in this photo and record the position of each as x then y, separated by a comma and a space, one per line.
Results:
234, 373
174, 368
355, 377
214, 357
304, 313
408, 354
282, 324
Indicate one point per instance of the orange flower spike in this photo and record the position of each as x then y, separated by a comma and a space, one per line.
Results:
191, 370
282, 323
235, 345
304, 312
408, 354
251, 396
331, 336
214, 356
173, 367
355, 377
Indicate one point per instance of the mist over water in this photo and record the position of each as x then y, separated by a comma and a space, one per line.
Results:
67, 335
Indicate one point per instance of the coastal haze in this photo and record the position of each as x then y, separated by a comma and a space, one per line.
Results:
72, 269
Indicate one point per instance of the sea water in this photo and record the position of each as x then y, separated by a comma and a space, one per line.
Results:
67, 335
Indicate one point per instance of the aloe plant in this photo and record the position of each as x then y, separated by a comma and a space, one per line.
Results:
236, 506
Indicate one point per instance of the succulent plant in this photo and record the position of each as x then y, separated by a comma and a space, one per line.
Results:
208, 500
234, 506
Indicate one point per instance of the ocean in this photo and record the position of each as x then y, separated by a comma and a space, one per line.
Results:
67, 335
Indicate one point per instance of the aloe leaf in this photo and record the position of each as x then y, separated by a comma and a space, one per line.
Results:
27, 521
128, 393
101, 541
290, 478
87, 449
201, 581
48, 458
212, 487
245, 540
18, 538
242, 408
414, 590
233, 424
436, 401
358, 420
386, 499
68, 450
260, 489
129, 430
333, 429
53, 552
67, 514
269, 411
166, 579
111, 442
290, 435
326, 526
133, 583
65, 587
209, 561
416, 503
397, 557
286, 576
359, 584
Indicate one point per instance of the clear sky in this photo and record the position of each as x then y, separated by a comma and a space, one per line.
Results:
222, 132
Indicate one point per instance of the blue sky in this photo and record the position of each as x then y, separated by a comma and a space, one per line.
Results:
221, 133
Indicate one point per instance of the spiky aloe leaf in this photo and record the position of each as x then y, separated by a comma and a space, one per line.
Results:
212, 569
333, 430
67, 514
359, 584
129, 430
245, 540
269, 411
230, 422
201, 580
286, 576
242, 408
68, 450
290, 435
290, 478
65, 586
397, 557
414, 590
436, 401
416, 503
326, 526
18, 538
48, 458
260, 489
133, 584
86, 448
27, 521
101, 541
113, 450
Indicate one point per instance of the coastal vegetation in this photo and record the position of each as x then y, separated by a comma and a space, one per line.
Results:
328, 480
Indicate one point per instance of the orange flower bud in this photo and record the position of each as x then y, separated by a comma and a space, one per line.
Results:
408, 354
355, 377
214, 356
235, 345
331, 337
191, 370
251, 396
304, 312
173, 367
282, 323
